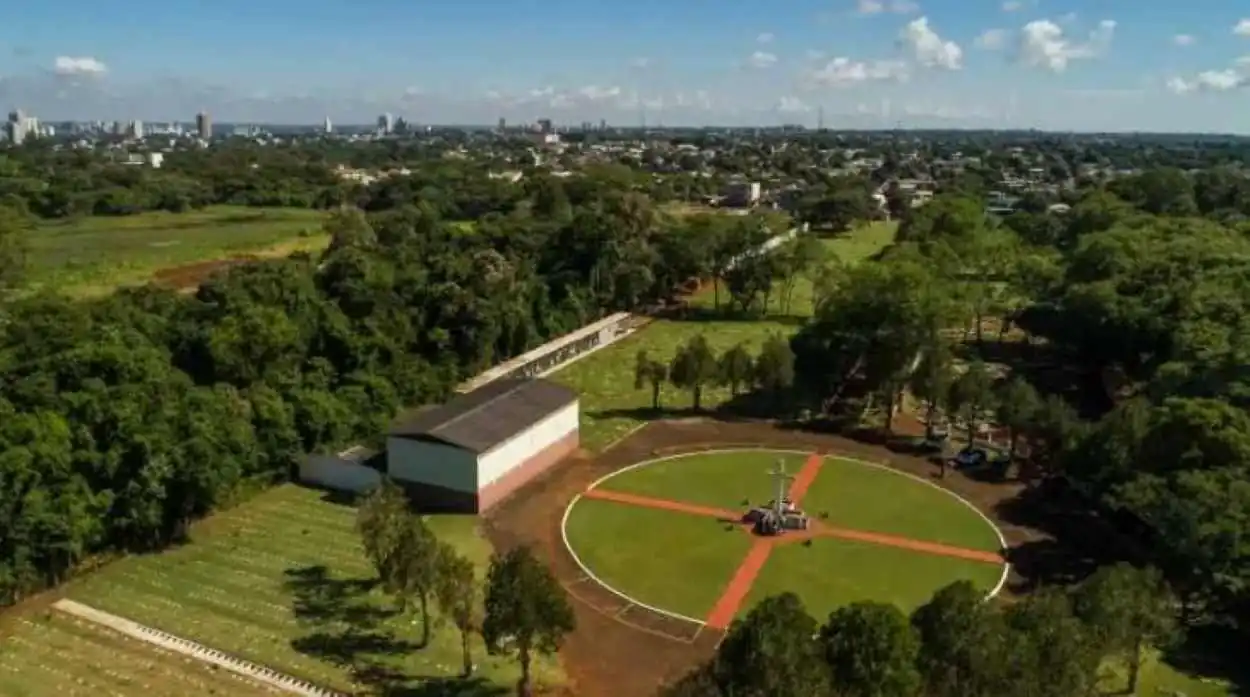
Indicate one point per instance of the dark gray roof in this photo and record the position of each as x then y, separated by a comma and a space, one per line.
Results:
486, 417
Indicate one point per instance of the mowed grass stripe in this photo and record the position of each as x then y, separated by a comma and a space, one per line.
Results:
722, 480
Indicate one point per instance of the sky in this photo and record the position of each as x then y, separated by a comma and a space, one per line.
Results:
1083, 65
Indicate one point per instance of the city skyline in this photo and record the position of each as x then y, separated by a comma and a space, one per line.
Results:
1052, 64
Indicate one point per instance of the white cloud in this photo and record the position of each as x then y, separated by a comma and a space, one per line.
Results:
876, 7
67, 65
762, 59
1236, 77
1013, 6
1044, 44
929, 49
991, 39
1242, 28
765, 38
814, 55
596, 93
843, 71
1183, 39
792, 105
640, 63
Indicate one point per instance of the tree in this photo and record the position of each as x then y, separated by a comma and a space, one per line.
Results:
527, 610
694, 368
402, 549
971, 397
932, 380
14, 228
774, 368
349, 229
1051, 654
1017, 405
961, 638
650, 373
871, 650
771, 651
735, 367
1126, 610
459, 596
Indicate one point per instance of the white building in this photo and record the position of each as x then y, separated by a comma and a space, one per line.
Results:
468, 454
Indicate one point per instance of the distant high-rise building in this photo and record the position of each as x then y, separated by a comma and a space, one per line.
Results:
20, 126
503, 124
603, 124
386, 124
204, 125
328, 127
136, 129
544, 126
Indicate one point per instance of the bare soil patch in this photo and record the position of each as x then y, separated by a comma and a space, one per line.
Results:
628, 651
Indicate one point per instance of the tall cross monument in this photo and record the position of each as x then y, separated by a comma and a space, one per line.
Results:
782, 479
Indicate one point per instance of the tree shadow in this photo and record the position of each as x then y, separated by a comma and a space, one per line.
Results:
1211, 651
689, 313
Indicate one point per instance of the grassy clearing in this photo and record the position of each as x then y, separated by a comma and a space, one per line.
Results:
672, 561
611, 407
829, 574
719, 480
90, 256
54, 655
861, 497
282, 581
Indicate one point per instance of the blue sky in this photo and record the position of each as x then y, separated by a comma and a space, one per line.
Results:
1061, 64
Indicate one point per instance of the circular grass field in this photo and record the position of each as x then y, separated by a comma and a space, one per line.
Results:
658, 533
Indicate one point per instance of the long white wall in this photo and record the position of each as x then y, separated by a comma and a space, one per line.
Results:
431, 463
496, 463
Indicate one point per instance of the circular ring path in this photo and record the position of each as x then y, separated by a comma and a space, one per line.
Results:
742, 579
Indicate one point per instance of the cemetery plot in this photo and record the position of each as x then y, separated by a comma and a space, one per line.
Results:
282, 581
705, 536
54, 655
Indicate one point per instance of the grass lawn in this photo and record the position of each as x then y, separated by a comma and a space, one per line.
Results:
723, 480
831, 573
93, 255
282, 581
672, 561
872, 499
611, 407
54, 655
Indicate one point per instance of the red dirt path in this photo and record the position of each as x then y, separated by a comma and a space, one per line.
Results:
662, 504
726, 607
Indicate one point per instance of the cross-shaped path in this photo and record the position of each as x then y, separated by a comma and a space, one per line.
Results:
739, 586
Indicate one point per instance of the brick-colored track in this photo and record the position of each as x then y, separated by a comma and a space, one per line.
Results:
662, 504
726, 607
739, 586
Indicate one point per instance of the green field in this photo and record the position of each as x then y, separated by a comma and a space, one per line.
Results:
282, 581
54, 655
88, 256
672, 561
611, 407
687, 573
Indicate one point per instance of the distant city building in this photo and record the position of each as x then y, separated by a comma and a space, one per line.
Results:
386, 124
544, 126
20, 127
603, 124
503, 124
204, 125
328, 127
136, 130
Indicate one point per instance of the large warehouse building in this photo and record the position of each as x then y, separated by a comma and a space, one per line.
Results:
470, 453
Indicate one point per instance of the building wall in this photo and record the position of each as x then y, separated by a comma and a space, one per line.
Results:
431, 464
497, 463
525, 472
338, 473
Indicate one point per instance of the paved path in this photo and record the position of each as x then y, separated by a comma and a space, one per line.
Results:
247, 669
